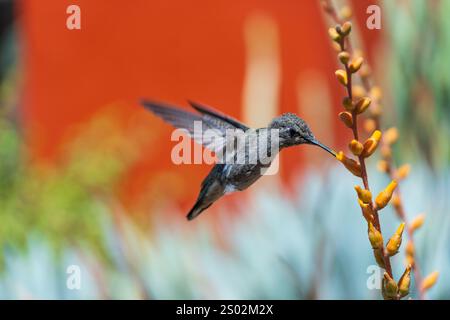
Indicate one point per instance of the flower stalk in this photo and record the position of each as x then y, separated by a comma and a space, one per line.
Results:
358, 168
359, 99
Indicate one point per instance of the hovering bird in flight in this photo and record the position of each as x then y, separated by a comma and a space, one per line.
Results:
231, 176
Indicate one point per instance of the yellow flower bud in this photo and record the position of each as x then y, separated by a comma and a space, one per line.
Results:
348, 104
390, 286
376, 135
341, 75
356, 64
395, 241
430, 280
351, 165
362, 105
391, 136
403, 171
367, 211
344, 57
371, 144
385, 196
417, 222
405, 282
346, 118
346, 28
375, 237
379, 258
364, 195
356, 147
334, 35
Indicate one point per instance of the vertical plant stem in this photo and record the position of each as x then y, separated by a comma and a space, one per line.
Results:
366, 83
362, 162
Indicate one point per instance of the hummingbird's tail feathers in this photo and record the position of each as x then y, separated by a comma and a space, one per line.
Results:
196, 210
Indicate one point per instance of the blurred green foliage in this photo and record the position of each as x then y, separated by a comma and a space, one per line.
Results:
62, 202
277, 247
419, 49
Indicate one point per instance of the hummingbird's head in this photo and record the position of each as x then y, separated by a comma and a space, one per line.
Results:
294, 131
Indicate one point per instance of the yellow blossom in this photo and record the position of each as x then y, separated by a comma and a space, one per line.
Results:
367, 210
385, 196
375, 237
390, 286
371, 144
334, 35
351, 165
344, 57
395, 241
341, 75
346, 28
346, 118
356, 147
364, 195
363, 104
405, 282
356, 64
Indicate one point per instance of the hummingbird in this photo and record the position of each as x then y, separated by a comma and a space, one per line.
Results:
225, 178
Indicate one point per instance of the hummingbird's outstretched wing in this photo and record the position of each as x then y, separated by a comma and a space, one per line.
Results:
214, 126
219, 118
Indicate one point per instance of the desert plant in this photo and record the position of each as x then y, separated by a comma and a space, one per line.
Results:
358, 101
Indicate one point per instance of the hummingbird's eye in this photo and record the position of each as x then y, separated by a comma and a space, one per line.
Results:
292, 132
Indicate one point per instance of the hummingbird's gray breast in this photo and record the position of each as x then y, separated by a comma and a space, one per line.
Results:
258, 154
239, 177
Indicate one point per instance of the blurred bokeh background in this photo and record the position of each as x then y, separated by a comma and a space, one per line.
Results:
86, 176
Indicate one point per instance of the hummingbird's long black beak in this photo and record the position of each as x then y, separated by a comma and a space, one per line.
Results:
324, 147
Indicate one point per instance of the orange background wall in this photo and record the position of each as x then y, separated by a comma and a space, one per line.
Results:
163, 49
